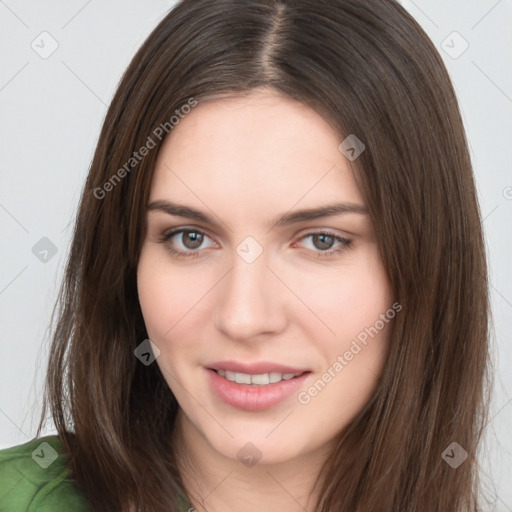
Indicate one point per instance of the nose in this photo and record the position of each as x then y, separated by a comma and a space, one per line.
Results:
250, 301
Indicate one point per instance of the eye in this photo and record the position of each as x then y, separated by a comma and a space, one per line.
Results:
190, 240
324, 241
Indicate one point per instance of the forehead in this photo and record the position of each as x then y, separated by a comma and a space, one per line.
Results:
254, 153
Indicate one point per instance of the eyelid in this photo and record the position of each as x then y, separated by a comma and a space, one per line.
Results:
173, 231
325, 230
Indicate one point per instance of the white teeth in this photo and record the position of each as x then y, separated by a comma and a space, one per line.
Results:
261, 379
242, 378
275, 377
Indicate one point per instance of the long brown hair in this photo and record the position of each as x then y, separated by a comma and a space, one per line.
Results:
369, 69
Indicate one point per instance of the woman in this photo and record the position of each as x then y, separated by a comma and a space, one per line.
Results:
276, 296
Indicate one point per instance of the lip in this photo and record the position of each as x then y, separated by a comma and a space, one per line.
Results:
249, 397
254, 368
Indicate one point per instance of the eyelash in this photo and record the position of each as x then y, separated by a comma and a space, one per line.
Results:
345, 243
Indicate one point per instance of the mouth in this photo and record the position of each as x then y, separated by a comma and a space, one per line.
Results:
259, 379
255, 387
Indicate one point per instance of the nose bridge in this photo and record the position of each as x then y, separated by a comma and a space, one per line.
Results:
247, 305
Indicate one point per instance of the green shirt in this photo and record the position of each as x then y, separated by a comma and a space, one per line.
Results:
34, 477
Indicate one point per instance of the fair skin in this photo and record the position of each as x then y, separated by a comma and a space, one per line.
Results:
245, 161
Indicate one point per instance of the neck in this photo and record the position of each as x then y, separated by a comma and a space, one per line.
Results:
215, 483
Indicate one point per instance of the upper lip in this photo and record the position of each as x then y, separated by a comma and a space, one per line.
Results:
254, 368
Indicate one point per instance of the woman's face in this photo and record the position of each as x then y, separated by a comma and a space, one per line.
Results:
254, 300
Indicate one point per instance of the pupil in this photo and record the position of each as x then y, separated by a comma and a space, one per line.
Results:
323, 243
192, 239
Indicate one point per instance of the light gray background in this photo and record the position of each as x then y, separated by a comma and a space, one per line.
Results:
51, 113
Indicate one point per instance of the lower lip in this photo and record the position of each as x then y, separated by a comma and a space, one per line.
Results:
253, 397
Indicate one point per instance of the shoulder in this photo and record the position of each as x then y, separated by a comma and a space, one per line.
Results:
34, 476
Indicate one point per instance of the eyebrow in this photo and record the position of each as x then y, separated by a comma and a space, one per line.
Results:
286, 219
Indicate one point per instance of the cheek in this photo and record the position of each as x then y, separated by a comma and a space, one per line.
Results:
353, 358
166, 294
349, 299
353, 339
